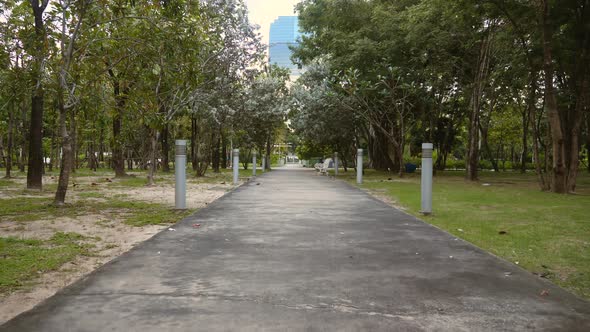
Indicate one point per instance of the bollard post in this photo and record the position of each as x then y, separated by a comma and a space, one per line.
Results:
335, 163
263, 163
359, 166
426, 181
254, 163
236, 164
180, 175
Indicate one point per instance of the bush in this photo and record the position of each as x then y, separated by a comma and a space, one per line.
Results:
455, 164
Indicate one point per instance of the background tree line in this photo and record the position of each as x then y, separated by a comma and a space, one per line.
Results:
487, 81
112, 83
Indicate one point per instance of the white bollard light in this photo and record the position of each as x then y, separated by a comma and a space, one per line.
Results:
236, 165
180, 175
426, 182
335, 163
359, 166
254, 163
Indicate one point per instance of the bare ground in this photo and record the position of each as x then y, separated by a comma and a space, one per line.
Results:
111, 236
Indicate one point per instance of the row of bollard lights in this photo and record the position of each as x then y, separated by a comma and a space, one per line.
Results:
180, 173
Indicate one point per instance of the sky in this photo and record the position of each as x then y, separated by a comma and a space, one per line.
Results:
264, 12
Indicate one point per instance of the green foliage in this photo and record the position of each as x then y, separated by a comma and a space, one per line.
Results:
395, 73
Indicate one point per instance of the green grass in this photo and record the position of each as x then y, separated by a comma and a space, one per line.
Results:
22, 260
140, 214
6, 182
135, 213
546, 233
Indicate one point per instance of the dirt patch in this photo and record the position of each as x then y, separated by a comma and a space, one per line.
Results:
111, 237
197, 195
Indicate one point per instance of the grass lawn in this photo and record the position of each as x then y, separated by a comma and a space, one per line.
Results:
133, 213
505, 214
24, 259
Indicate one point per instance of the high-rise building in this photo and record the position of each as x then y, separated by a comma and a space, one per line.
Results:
284, 32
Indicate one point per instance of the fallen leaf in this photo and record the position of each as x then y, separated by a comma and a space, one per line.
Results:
544, 292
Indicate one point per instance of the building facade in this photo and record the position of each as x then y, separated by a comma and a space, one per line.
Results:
284, 32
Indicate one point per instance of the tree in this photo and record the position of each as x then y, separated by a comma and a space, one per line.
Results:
70, 33
39, 52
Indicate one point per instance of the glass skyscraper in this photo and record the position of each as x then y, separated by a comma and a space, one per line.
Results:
284, 32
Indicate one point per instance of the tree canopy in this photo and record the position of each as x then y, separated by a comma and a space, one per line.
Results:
495, 80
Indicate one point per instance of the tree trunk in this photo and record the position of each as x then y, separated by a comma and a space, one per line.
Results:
246, 160
558, 179
35, 165
52, 149
68, 143
92, 162
2, 154
35, 169
215, 152
574, 132
153, 150
588, 140
472, 160
382, 153
23, 151
66, 160
165, 149
74, 140
9, 143
268, 151
525, 132
224, 159
532, 109
194, 144
203, 164
117, 149
101, 147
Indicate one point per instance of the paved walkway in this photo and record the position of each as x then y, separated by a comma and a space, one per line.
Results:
294, 251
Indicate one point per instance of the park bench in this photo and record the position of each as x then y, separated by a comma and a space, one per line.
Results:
322, 168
